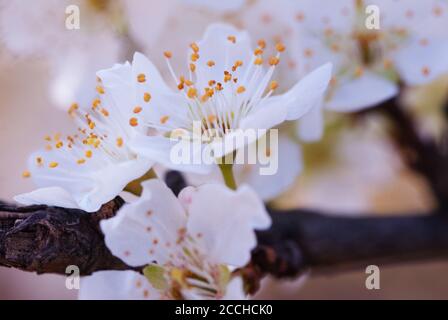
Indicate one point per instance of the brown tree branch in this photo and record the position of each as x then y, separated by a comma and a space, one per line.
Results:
427, 157
47, 239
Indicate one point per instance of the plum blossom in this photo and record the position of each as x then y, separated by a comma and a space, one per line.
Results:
228, 90
188, 244
410, 46
91, 167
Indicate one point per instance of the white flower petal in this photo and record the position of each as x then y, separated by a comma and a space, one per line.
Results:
52, 196
235, 290
165, 151
308, 92
311, 126
90, 186
289, 164
223, 222
146, 230
116, 285
363, 92
419, 64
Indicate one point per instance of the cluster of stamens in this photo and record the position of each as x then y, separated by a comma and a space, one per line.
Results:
219, 105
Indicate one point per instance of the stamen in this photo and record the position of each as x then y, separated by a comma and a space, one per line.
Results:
73, 108
119, 142
96, 103
168, 54
273, 85
280, 47
164, 119
240, 89
194, 47
133, 122
210, 63
146, 97
137, 109
273, 61
88, 153
192, 93
26, 174
53, 165
232, 39
141, 78
100, 89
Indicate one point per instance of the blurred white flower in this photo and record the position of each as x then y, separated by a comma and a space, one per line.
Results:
364, 163
38, 29
268, 187
411, 45
90, 167
228, 88
189, 244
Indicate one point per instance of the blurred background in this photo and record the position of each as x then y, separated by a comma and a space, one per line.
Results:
354, 168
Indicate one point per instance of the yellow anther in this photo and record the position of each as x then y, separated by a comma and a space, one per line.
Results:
240, 89
81, 161
273, 61
39, 161
26, 174
96, 103
73, 108
258, 61
104, 112
211, 118
91, 125
137, 109
88, 153
47, 138
280, 47
194, 57
232, 39
133, 122
192, 67
100, 89
192, 93
211, 83
194, 47
168, 54
227, 76
164, 119
273, 85
188, 83
119, 142
210, 63
141, 77
53, 164
59, 144
261, 43
219, 86
258, 51
146, 97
